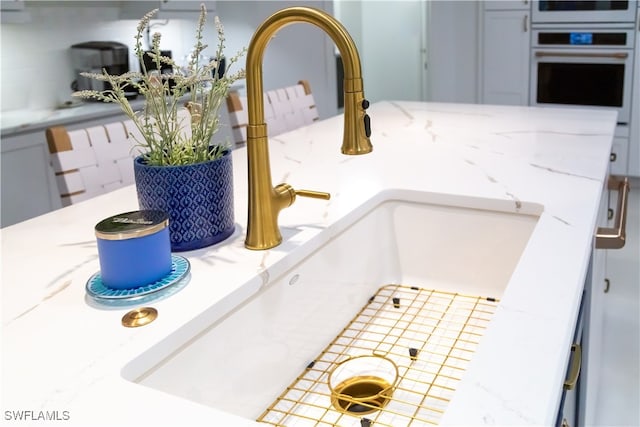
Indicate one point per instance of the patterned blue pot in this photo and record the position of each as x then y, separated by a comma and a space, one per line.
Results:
198, 199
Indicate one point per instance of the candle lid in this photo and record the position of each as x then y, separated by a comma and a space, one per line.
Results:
131, 225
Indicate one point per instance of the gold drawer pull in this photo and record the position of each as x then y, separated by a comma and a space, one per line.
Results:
614, 238
571, 382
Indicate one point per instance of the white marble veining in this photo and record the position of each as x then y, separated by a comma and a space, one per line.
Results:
63, 357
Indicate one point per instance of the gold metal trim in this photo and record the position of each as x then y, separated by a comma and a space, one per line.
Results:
139, 317
265, 201
614, 238
429, 335
570, 383
620, 55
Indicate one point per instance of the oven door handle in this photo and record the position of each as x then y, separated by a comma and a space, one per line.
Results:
615, 55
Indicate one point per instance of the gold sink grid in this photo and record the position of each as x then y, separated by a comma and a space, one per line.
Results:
397, 363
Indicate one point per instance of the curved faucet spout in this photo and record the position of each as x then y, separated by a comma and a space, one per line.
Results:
265, 201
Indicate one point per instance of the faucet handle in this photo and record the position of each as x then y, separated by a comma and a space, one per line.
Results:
313, 194
287, 195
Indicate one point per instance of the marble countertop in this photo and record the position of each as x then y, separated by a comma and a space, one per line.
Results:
64, 357
20, 121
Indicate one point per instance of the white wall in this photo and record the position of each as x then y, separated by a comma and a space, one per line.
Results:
36, 65
349, 13
391, 36
393, 40
298, 51
36, 70
453, 50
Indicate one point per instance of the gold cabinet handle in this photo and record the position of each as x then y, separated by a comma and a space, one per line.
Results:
614, 238
571, 382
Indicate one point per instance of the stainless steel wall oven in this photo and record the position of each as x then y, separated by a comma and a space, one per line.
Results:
578, 66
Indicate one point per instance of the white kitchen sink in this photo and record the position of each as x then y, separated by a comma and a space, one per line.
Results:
241, 363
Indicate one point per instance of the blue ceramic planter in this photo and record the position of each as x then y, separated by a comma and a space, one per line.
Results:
198, 199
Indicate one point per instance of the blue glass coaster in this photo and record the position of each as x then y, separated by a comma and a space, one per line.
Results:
99, 292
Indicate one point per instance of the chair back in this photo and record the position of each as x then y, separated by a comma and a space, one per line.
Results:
91, 161
285, 109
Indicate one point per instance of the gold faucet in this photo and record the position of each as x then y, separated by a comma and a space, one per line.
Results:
265, 201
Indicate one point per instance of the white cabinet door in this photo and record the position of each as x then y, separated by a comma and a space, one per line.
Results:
28, 186
505, 58
13, 12
167, 9
507, 4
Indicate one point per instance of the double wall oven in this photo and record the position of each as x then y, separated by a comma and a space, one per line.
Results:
582, 54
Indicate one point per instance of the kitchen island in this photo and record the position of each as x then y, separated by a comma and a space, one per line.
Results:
65, 358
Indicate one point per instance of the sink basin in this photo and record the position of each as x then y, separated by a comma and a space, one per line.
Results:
241, 363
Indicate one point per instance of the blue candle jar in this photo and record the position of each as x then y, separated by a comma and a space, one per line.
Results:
134, 249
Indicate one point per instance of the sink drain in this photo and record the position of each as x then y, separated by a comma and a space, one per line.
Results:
362, 384
361, 395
